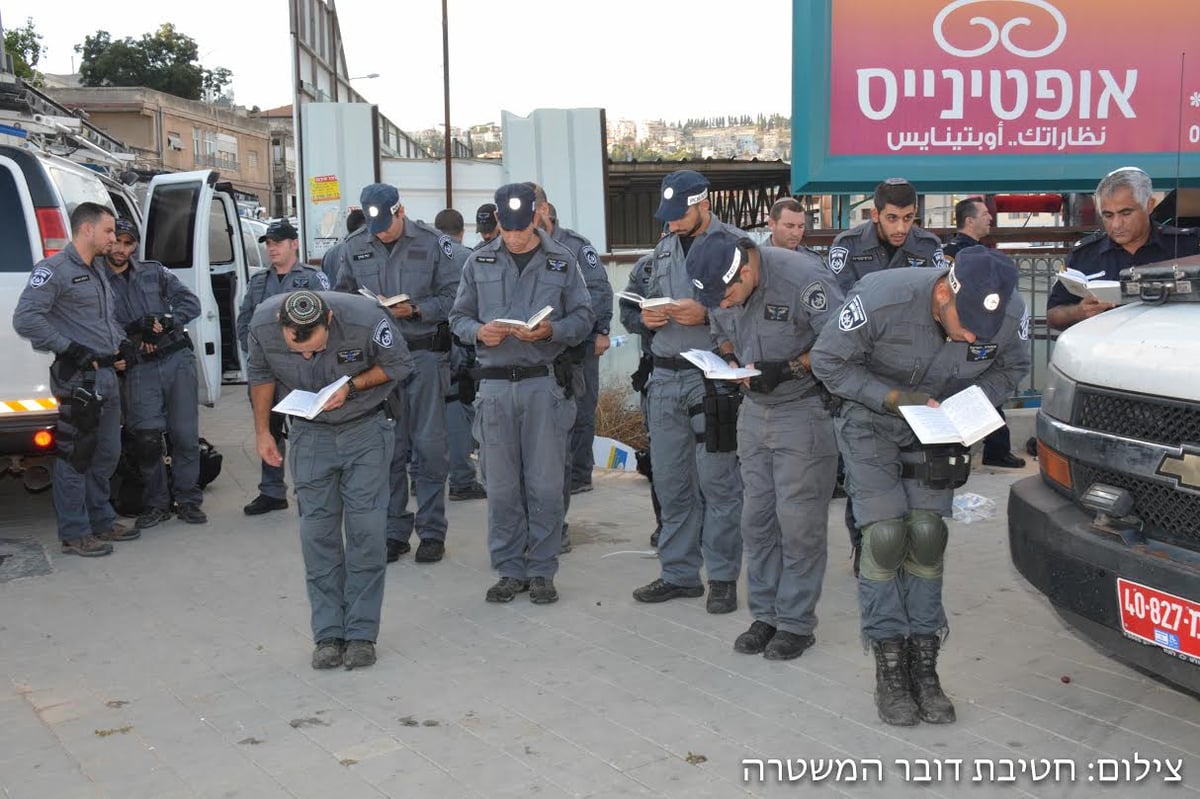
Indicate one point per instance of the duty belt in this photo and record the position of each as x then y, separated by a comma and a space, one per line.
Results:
675, 364
420, 343
510, 373
370, 412
162, 351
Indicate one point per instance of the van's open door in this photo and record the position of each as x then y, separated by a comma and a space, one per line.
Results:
178, 215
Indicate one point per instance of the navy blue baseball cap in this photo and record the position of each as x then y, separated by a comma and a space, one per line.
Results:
279, 230
982, 280
126, 227
379, 202
680, 191
712, 263
485, 218
514, 206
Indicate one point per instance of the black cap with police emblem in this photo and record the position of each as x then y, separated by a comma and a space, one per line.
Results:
303, 309
380, 202
485, 218
126, 227
713, 262
680, 191
279, 230
982, 281
514, 206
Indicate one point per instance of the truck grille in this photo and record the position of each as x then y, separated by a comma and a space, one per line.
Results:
1144, 419
1169, 515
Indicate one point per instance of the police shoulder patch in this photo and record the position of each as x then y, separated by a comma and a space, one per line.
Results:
939, 258
852, 315
814, 296
323, 279
383, 334
40, 276
590, 256
1023, 329
837, 259
447, 245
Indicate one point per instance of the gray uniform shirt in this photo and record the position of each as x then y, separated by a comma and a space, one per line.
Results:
669, 278
68, 301
885, 337
638, 283
422, 263
858, 251
360, 336
595, 276
493, 288
148, 287
781, 319
269, 283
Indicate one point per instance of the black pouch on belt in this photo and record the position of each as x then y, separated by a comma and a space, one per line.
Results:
720, 418
937, 466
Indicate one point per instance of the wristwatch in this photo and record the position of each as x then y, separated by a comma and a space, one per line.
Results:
351, 389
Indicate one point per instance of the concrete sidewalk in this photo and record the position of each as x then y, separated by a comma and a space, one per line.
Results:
179, 667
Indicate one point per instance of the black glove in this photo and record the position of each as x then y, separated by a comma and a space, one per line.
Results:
772, 375
127, 352
167, 321
896, 398
79, 355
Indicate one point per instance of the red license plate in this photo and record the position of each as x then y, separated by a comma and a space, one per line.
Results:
1162, 619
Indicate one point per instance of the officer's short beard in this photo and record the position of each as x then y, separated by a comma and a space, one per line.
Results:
700, 222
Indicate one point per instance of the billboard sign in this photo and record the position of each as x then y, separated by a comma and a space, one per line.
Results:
993, 94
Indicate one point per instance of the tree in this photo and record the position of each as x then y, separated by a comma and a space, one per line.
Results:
166, 60
26, 47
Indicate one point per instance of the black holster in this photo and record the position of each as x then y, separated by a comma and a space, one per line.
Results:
441, 338
81, 411
568, 368
641, 377
773, 373
466, 384
720, 418
936, 466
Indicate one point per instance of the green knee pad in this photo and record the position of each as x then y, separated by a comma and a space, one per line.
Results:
927, 536
884, 546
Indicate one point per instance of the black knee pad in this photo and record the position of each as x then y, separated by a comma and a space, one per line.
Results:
148, 446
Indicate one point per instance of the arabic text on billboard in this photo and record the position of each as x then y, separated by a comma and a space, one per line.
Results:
1013, 76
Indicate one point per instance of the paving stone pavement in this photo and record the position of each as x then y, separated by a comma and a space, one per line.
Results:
179, 667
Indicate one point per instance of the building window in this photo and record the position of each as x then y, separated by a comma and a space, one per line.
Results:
212, 149
174, 140
252, 159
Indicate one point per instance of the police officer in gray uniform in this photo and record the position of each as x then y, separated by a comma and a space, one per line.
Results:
580, 458
161, 390
305, 340
522, 409
67, 308
700, 490
914, 337
889, 240
405, 256
286, 274
768, 305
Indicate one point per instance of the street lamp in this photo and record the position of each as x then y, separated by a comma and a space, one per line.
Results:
365, 77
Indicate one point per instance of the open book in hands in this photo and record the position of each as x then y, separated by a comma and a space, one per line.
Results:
965, 418
717, 368
385, 302
1083, 286
307, 404
531, 324
645, 302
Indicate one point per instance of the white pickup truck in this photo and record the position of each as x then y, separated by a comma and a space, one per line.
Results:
1110, 529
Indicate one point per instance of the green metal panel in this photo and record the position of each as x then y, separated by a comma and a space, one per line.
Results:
816, 171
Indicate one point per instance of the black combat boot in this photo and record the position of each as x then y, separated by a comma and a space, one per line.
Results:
893, 698
935, 707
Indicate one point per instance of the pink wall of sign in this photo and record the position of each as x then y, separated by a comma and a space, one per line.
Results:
1014, 76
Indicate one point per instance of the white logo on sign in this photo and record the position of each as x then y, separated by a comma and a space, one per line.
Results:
998, 35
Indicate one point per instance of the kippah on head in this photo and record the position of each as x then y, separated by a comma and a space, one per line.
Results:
303, 308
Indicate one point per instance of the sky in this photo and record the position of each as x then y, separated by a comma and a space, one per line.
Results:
638, 59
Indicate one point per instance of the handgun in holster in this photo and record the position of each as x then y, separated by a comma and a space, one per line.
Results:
81, 411
936, 466
773, 373
721, 405
568, 369
441, 338
641, 377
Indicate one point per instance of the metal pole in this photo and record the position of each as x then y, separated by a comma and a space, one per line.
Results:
446, 92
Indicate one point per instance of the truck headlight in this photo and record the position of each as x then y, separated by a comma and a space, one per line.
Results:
1058, 398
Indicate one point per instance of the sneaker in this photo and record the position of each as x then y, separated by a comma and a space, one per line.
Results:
89, 546
359, 654
328, 654
151, 517
542, 591
722, 596
581, 488
469, 491
264, 504
430, 550
191, 514
785, 645
661, 591
754, 640
119, 532
396, 548
506, 589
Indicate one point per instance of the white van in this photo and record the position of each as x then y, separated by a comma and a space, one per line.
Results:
189, 222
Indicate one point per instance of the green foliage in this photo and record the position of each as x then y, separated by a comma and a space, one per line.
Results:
166, 60
25, 45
